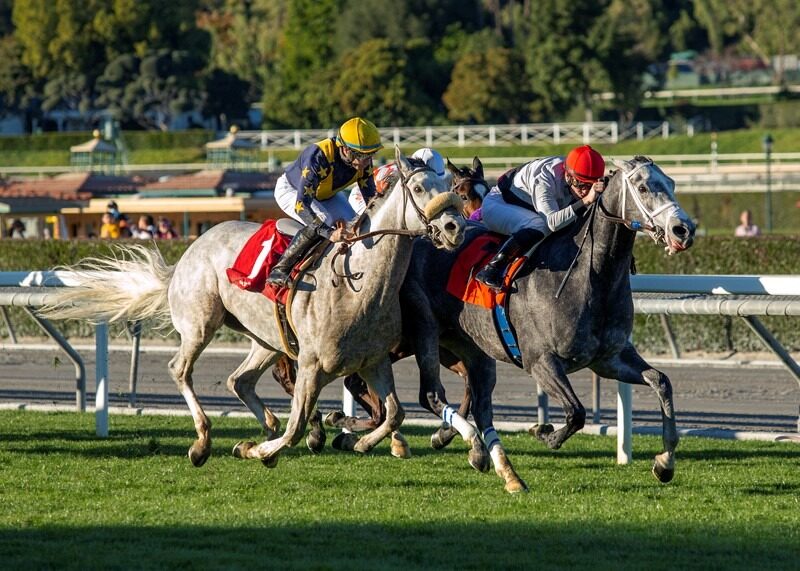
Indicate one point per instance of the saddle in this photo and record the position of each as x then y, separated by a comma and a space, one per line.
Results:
255, 261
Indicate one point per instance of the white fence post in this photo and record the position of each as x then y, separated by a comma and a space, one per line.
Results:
639, 131
296, 139
624, 422
556, 134
460, 135
491, 136
587, 137
524, 134
101, 379
665, 130
428, 137
614, 132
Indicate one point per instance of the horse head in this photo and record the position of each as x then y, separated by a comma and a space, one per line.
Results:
643, 198
428, 206
469, 184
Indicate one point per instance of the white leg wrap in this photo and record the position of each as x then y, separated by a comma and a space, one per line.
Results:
464, 428
493, 444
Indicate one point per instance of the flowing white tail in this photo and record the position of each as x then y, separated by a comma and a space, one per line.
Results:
130, 286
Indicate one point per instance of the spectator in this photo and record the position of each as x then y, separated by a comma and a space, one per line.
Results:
747, 229
17, 229
113, 210
146, 228
165, 230
110, 228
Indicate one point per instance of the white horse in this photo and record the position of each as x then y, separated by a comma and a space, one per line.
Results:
341, 329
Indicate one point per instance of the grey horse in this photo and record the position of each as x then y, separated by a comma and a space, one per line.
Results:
572, 308
341, 329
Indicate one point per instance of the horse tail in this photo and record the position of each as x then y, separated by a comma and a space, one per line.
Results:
131, 285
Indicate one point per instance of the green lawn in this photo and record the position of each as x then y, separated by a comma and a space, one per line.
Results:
133, 501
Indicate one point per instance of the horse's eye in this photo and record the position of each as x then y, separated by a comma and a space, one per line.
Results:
642, 189
418, 189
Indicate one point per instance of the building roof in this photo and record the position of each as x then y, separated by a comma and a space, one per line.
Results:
37, 205
70, 186
206, 181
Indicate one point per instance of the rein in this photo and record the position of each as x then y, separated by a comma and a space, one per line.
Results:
656, 233
344, 246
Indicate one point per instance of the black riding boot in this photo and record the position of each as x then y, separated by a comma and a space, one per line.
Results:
519, 242
300, 244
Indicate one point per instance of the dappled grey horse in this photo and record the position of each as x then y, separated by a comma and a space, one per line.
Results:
341, 329
572, 308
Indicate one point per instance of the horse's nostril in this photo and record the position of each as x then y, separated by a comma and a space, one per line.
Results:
679, 231
450, 227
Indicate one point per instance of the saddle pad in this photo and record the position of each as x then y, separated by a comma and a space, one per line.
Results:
462, 283
470, 261
258, 256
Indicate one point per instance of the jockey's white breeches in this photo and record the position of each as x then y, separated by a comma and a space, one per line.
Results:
504, 218
329, 211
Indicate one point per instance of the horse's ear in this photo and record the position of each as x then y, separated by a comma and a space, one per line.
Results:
621, 165
401, 162
477, 166
452, 168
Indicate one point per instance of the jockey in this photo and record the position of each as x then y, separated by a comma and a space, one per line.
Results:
307, 191
386, 176
536, 199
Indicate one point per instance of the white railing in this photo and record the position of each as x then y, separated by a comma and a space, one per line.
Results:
476, 135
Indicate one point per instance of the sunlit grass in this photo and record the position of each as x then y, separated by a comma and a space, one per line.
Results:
133, 500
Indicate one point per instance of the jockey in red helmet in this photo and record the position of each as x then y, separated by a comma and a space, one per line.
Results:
536, 199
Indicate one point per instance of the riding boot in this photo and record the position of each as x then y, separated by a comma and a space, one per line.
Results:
518, 243
300, 244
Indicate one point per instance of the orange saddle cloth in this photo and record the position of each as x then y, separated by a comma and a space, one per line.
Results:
462, 283
257, 258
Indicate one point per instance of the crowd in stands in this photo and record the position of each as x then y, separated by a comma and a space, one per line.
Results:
118, 225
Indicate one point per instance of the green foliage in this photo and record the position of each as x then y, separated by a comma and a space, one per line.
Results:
488, 87
134, 500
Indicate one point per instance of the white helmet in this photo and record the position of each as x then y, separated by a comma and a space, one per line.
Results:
431, 158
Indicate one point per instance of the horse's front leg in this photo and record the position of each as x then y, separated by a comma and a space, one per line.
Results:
549, 372
482, 375
380, 379
310, 380
285, 375
445, 434
629, 367
432, 394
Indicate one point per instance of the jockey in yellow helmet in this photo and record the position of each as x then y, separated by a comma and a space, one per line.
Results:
308, 190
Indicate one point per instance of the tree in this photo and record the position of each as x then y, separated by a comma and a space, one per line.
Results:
489, 87
299, 93
153, 89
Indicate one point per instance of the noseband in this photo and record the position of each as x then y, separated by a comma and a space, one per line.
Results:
654, 231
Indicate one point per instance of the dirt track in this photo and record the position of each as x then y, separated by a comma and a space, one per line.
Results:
739, 396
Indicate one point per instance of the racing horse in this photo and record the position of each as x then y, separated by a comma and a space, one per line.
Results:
571, 308
341, 329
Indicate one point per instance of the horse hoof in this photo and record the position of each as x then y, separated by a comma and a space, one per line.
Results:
516, 487
540, 430
479, 457
198, 455
442, 438
270, 461
361, 447
333, 419
400, 448
662, 473
241, 448
316, 441
345, 441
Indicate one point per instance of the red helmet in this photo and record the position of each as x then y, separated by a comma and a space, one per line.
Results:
586, 164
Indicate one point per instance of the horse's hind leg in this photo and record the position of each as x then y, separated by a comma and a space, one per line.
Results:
549, 372
629, 367
180, 368
242, 383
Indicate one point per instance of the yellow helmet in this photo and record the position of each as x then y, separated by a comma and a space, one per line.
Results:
360, 135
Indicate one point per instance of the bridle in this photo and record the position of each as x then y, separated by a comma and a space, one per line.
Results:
408, 197
648, 225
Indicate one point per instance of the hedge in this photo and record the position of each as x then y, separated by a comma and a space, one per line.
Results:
134, 140
710, 255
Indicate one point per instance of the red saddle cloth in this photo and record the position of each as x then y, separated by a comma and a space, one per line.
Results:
462, 283
258, 256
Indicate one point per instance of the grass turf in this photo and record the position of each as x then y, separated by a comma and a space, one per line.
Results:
73, 501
